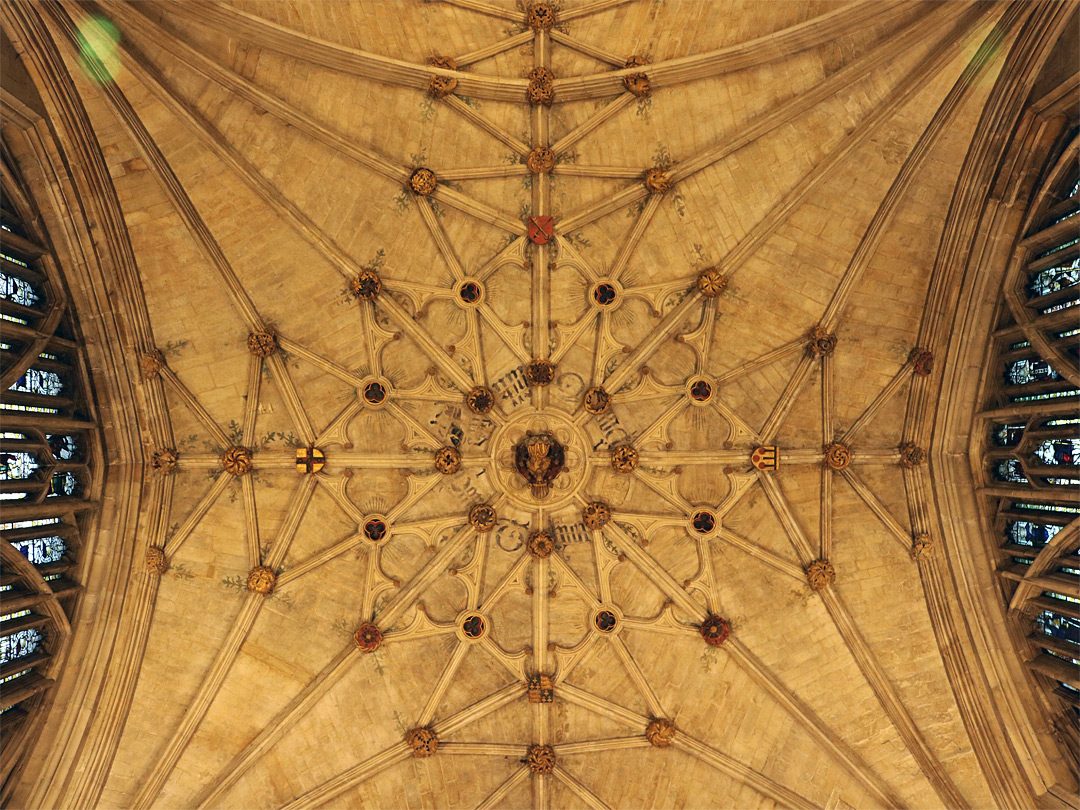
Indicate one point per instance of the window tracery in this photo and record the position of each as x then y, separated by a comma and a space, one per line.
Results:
46, 465
1031, 452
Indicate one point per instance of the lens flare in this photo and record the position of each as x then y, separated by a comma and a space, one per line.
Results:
99, 56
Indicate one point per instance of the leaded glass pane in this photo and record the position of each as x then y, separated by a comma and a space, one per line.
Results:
36, 381
19, 645
1008, 434
16, 289
17, 466
1010, 470
63, 483
1055, 278
1022, 372
1027, 533
63, 447
1059, 626
1059, 451
41, 550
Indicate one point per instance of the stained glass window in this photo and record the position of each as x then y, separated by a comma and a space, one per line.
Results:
1027, 533
1010, 470
1055, 278
1069, 392
27, 524
1056, 248
63, 447
1008, 434
1048, 507
1059, 626
1059, 451
63, 483
36, 381
14, 260
16, 289
19, 645
41, 550
17, 466
1059, 307
1022, 372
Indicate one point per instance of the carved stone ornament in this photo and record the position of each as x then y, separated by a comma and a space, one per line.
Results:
597, 400
442, 86
922, 361
366, 286
766, 457
540, 544
447, 460
482, 517
540, 759
911, 456
540, 230
837, 456
262, 343
657, 181
156, 561
237, 460
539, 372
539, 459
164, 461
636, 83
595, 515
541, 86
624, 458
422, 181
820, 573
711, 282
715, 630
660, 732
151, 364
703, 521
423, 742
541, 689
921, 547
309, 460
541, 160
367, 637
541, 16
819, 342
375, 529
261, 580
480, 400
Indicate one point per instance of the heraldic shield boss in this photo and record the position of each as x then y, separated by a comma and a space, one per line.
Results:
539, 458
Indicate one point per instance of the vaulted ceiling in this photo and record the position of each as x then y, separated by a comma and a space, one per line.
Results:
764, 288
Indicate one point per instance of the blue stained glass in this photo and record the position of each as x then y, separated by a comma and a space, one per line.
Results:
1059, 626
1059, 452
16, 289
1010, 470
17, 466
63, 483
1026, 533
1022, 372
19, 645
36, 381
41, 550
